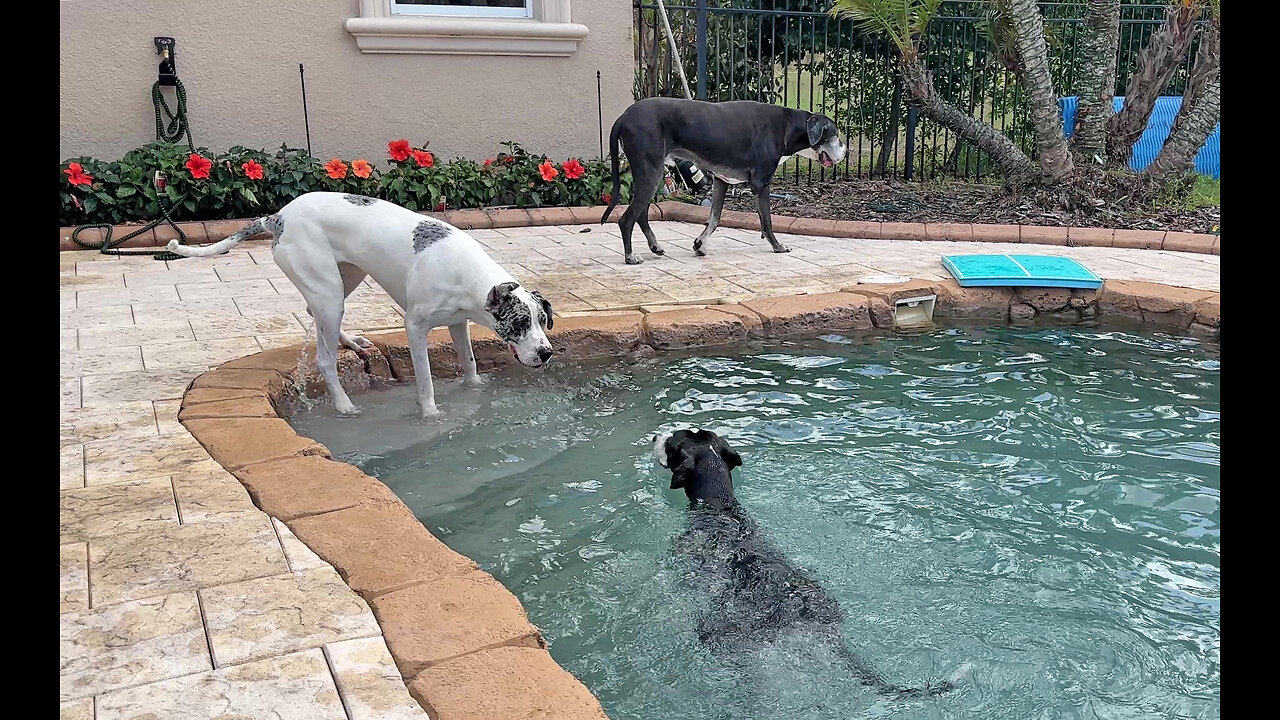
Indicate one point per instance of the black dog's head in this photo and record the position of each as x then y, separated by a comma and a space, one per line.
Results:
700, 462
824, 141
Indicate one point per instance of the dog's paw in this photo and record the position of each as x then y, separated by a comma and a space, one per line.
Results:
697, 250
356, 342
475, 380
657, 251
430, 412
782, 249
358, 345
173, 245
633, 260
348, 410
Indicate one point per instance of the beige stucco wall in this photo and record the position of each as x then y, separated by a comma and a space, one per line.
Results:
239, 62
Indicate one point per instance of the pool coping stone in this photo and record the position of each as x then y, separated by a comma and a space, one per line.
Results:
493, 218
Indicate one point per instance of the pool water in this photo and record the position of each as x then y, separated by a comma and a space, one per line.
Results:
1040, 503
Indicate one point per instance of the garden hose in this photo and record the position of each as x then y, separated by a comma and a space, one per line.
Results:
169, 131
176, 126
900, 204
108, 246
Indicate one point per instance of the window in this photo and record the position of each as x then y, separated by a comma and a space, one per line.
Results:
539, 28
464, 8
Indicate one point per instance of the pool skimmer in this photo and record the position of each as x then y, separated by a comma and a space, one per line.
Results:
908, 313
914, 312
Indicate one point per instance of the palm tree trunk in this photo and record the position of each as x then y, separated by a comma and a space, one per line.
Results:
1028, 24
889, 141
919, 84
1157, 63
1097, 79
1206, 68
1200, 111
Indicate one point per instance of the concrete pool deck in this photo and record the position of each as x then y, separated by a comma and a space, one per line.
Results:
178, 595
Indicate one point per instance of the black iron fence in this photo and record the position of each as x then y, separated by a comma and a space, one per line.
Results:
794, 53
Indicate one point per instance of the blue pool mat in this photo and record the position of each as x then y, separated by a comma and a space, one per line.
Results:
1019, 271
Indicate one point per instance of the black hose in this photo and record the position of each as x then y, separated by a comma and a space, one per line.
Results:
171, 130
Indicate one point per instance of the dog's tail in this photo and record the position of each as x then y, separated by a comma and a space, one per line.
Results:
254, 228
617, 179
869, 676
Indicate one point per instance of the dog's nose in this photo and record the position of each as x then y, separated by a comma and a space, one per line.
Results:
544, 354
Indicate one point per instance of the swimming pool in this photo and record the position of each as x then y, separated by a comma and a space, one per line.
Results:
1042, 503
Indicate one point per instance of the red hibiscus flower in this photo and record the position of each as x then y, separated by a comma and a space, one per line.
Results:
509, 159
606, 198
398, 150
423, 158
361, 168
252, 170
548, 171
336, 169
77, 176
573, 169
198, 167
488, 163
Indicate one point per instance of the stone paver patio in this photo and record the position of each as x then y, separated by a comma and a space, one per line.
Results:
179, 598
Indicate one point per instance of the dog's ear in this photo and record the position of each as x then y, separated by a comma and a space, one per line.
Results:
680, 473
814, 126
546, 306
728, 454
498, 294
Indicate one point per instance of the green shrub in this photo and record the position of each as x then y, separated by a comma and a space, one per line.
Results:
244, 183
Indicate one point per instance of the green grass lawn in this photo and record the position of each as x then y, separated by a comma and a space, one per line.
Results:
797, 90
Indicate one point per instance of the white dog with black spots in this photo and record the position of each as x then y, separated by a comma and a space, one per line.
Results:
327, 243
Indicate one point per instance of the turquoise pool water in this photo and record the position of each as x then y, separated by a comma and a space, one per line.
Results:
1040, 503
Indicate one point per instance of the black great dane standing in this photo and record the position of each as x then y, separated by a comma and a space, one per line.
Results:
736, 142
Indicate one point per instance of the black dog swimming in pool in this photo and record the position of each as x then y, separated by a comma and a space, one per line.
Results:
760, 594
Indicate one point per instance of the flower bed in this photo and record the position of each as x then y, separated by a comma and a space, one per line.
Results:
244, 183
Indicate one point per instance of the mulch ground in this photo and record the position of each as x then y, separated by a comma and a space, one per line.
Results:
955, 202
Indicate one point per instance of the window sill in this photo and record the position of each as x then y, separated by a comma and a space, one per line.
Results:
465, 36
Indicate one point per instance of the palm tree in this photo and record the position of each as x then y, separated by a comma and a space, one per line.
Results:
1157, 63
1096, 79
903, 23
1028, 31
1201, 106
1016, 29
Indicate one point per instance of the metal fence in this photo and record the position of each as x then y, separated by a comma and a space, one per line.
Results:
794, 53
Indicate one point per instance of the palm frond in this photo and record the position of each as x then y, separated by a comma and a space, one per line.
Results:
899, 21
996, 27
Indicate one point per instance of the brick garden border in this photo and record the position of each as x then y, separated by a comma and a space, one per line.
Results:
462, 641
211, 231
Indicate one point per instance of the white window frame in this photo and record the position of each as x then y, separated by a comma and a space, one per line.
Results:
548, 31
398, 8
